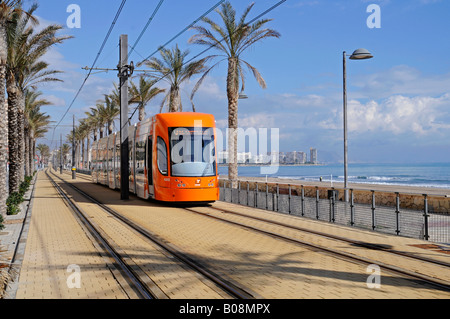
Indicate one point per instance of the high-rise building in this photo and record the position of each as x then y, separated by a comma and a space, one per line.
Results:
301, 158
313, 155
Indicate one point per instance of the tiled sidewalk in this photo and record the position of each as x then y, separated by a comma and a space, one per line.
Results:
57, 248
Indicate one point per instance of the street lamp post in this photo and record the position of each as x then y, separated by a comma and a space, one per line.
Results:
359, 54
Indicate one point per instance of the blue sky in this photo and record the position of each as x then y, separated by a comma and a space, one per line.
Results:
398, 102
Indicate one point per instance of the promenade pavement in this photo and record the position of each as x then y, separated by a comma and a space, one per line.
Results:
270, 267
54, 242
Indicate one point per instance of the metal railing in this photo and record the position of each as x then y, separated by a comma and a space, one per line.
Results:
325, 204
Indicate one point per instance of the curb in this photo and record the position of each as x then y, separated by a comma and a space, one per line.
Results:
18, 226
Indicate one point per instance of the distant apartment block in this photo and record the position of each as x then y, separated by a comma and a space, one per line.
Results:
294, 157
313, 155
245, 158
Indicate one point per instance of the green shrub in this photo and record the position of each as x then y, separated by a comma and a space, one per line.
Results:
12, 210
25, 185
16, 198
13, 203
1, 222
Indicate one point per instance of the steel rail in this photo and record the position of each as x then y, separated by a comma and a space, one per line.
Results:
226, 285
343, 239
139, 286
348, 256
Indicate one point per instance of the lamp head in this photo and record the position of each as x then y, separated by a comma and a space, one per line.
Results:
361, 54
242, 96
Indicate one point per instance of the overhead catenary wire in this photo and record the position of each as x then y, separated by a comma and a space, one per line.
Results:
102, 47
119, 10
134, 46
212, 46
181, 32
207, 49
162, 46
145, 27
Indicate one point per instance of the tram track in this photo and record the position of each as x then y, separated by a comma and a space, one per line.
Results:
232, 289
441, 284
350, 257
339, 238
120, 262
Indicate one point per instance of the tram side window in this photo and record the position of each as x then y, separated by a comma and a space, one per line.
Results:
117, 158
140, 157
162, 156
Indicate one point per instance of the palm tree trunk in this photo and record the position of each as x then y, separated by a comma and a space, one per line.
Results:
3, 146
27, 151
83, 154
21, 135
141, 112
33, 152
88, 142
78, 154
3, 121
14, 145
175, 101
232, 93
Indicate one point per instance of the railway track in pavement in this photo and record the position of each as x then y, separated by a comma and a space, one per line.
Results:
142, 283
137, 286
330, 248
266, 226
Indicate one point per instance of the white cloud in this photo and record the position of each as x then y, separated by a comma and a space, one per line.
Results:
401, 79
397, 115
54, 100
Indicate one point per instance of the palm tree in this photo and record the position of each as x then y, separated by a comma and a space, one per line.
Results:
143, 94
107, 112
44, 151
85, 131
174, 71
7, 9
110, 113
94, 121
65, 151
233, 39
36, 124
25, 48
70, 137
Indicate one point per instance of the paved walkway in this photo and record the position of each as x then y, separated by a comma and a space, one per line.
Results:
55, 243
269, 267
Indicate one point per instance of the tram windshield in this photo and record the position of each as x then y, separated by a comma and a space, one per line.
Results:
192, 151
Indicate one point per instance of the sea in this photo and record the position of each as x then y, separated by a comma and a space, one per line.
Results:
420, 175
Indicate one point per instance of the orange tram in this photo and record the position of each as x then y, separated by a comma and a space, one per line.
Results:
172, 158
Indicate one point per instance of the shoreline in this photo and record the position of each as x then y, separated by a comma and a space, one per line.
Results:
393, 188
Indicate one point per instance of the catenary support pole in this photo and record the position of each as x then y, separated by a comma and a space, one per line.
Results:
73, 151
60, 156
124, 160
